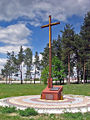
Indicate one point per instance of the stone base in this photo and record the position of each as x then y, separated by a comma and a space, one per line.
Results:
54, 93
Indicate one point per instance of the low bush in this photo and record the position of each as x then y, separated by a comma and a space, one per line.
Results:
27, 79
8, 109
28, 112
73, 116
36, 79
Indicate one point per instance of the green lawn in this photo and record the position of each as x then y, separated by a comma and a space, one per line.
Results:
77, 89
35, 89
7, 90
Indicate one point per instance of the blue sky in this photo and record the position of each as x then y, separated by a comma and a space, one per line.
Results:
20, 22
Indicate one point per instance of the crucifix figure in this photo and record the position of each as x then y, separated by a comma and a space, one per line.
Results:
50, 52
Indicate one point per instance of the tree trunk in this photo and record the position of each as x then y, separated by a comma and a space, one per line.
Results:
68, 68
60, 82
30, 77
6, 79
56, 82
78, 81
84, 72
21, 78
25, 79
35, 75
21, 75
9, 79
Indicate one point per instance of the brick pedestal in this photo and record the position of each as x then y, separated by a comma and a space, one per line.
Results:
54, 93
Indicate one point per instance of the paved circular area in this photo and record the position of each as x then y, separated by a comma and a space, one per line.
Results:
70, 103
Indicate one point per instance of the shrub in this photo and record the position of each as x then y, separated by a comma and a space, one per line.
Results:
73, 116
8, 109
44, 74
26, 79
28, 112
36, 79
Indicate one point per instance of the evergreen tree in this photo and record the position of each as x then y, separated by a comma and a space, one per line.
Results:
37, 65
5, 71
56, 48
4, 74
18, 60
67, 47
85, 34
9, 67
78, 47
12, 67
56, 51
45, 57
28, 62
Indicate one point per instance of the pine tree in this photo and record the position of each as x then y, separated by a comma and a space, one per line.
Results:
45, 56
56, 51
56, 48
9, 67
85, 34
19, 61
37, 65
78, 47
28, 62
12, 66
5, 71
67, 47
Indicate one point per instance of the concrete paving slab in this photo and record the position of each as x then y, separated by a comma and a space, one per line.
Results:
70, 103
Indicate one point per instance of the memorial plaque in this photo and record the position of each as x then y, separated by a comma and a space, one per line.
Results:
49, 97
55, 88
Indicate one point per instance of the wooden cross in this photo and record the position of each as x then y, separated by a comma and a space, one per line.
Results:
50, 52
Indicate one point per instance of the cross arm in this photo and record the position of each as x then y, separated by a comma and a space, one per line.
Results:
44, 26
50, 24
55, 23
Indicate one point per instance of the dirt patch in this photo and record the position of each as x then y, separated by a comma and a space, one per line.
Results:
12, 114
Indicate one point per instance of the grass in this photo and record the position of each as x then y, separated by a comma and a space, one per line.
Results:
35, 89
10, 117
76, 116
28, 112
77, 89
7, 90
31, 114
7, 109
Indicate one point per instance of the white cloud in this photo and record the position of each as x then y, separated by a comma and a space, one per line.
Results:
15, 34
6, 49
40, 56
33, 57
12, 38
36, 9
2, 61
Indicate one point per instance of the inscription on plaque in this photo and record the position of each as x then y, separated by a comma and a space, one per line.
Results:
55, 88
49, 97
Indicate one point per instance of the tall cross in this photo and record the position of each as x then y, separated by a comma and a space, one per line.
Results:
50, 52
